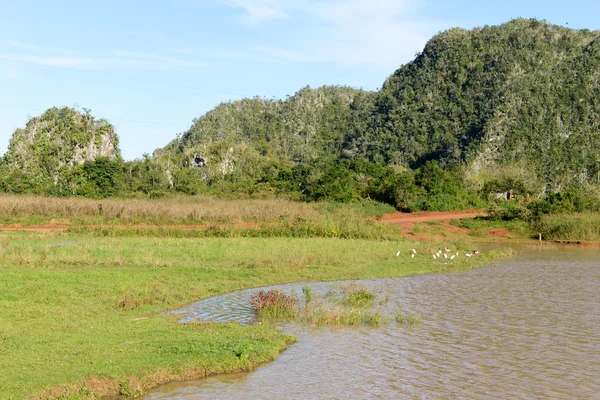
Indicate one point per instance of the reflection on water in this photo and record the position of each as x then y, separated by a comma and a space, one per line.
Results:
527, 328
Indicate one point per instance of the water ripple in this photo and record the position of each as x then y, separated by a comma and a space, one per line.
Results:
527, 328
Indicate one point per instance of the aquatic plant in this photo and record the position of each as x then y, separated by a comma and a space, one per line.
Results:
307, 292
409, 319
273, 304
357, 296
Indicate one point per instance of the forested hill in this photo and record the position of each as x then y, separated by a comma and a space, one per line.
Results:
509, 108
522, 95
308, 125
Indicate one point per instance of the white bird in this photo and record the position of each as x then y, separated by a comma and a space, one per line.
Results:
457, 253
398, 253
475, 252
414, 251
452, 258
445, 255
434, 256
447, 250
468, 255
412, 255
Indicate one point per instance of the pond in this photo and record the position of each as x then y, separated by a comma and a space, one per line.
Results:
528, 327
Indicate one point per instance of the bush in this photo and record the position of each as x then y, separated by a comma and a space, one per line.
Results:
273, 303
509, 212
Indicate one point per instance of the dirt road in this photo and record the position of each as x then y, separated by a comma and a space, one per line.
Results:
407, 220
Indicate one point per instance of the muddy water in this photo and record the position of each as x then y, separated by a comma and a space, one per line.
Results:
526, 328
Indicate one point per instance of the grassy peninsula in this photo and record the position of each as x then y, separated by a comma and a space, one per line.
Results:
82, 313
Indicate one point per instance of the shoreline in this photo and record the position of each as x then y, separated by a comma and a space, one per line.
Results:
108, 389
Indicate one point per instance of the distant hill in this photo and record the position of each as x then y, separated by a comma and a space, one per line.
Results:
45, 153
513, 108
306, 126
520, 98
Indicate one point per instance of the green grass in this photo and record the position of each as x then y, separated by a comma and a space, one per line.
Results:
569, 227
409, 319
343, 306
357, 296
76, 306
480, 226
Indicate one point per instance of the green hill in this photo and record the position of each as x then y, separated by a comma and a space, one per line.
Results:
308, 125
516, 100
47, 156
508, 108
522, 96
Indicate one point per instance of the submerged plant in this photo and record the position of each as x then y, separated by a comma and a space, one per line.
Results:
357, 296
307, 292
410, 319
273, 304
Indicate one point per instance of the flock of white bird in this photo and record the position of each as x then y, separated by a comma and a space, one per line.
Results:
446, 254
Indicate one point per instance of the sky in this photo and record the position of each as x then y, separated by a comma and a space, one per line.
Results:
151, 67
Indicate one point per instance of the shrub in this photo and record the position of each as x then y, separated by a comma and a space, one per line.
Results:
273, 304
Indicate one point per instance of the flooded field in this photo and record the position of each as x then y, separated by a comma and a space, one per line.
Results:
526, 328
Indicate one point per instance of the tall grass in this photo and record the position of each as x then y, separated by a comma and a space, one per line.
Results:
347, 309
569, 227
173, 211
273, 304
199, 216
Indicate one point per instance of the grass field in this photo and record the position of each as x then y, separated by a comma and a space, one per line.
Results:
584, 227
79, 309
175, 210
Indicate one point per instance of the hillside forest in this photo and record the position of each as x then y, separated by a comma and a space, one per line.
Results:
503, 116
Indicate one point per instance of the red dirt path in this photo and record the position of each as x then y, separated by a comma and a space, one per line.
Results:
407, 220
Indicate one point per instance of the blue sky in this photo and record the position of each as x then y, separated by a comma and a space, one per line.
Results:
150, 67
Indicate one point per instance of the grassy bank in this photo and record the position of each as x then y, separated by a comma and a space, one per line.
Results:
584, 227
199, 217
76, 306
563, 227
175, 210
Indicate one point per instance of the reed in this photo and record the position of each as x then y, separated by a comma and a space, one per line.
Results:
568, 227
195, 217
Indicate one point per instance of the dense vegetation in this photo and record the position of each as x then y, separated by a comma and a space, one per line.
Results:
477, 115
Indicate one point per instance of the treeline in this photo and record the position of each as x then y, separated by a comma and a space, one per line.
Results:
479, 117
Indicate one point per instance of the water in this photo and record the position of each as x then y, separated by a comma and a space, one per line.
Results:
526, 328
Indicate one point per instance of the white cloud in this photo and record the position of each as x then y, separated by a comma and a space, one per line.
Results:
113, 60
380, 33
154, 61
280, 54
261, 10
51, 61
25, 46
11, 73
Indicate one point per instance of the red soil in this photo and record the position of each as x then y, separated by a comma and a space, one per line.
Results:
498, 232
407, 220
